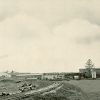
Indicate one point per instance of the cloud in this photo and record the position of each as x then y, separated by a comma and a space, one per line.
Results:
48, 35
53, 12
27, 41
23, 26
8, 9
3, 56
80, 31
72, 37
31, 45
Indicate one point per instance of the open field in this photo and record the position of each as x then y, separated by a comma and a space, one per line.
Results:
13, 86
91, 87
87, 85
46, 90
52, 89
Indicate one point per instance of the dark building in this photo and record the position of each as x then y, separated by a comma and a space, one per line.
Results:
94, 72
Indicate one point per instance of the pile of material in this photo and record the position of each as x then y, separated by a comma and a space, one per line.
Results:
56, 91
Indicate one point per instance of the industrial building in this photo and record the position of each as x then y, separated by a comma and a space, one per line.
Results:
95, 72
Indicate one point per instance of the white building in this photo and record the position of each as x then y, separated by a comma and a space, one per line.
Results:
4, 74
93, 72
52, 76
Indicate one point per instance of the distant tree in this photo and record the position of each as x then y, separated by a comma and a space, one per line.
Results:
89, 66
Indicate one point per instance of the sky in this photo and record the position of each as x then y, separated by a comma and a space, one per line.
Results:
49, 35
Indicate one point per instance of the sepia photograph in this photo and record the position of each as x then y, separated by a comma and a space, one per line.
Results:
49, 49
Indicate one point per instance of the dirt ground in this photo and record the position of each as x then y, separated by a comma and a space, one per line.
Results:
50, 91
90, 87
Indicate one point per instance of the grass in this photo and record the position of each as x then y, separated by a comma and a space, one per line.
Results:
90, 87
12, 86
87, 85
66, 92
